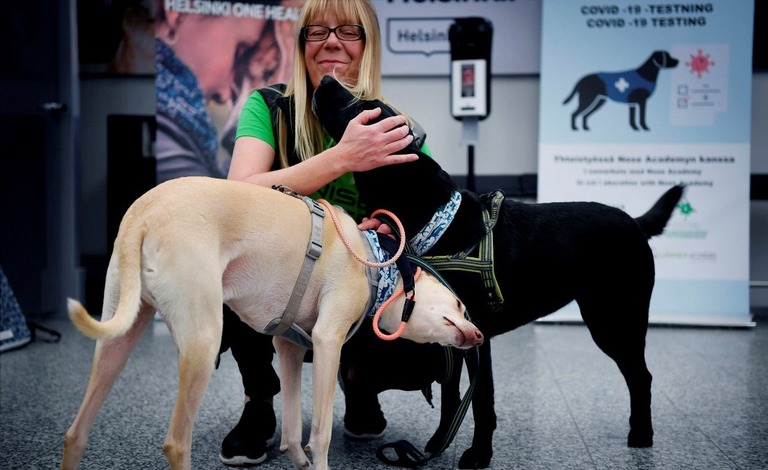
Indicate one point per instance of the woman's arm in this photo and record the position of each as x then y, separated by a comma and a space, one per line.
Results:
252, 162
363, 147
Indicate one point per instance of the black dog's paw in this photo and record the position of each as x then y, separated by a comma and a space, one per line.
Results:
476, 458
640, 439
640, 430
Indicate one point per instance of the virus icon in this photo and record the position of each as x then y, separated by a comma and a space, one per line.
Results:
700, 63
685, 208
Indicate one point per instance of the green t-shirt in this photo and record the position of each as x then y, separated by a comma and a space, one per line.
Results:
255, 121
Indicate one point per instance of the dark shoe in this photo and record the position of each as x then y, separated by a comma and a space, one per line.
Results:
247, 443
366, 428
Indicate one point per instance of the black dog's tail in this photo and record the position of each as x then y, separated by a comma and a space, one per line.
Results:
570, 96
653, 221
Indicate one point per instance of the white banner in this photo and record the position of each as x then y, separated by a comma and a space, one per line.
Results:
415, 35
637, 97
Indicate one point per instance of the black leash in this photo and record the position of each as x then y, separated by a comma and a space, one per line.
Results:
407, 455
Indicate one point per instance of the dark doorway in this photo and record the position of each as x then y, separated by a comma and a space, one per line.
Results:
39, 114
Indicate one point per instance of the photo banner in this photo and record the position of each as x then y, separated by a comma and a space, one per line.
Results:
637, 97
209, 58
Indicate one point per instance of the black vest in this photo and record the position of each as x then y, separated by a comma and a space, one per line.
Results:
273, 97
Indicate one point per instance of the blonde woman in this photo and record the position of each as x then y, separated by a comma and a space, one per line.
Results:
280, 141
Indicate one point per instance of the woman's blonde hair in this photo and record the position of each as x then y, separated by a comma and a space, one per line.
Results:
307, 129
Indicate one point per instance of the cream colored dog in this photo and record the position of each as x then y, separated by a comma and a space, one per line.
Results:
190, 245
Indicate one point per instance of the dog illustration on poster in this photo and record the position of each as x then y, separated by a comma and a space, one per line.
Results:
631, 87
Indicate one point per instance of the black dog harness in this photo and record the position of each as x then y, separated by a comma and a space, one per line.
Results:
481, 264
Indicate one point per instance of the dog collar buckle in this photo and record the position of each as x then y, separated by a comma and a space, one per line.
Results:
285, 190
315, 246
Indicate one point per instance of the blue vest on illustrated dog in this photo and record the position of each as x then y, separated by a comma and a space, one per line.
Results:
619, 85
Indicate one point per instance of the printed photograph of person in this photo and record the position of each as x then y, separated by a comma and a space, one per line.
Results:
204, 62
135, 54
270, 61
115, 38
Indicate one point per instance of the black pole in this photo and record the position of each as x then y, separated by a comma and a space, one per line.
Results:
471, 168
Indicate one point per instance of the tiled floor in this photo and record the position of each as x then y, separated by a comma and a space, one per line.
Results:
561, 404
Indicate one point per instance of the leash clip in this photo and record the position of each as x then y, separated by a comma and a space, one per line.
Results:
407, 308
285, 190
408, 456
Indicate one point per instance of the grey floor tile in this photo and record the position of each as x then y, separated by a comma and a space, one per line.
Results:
561, 404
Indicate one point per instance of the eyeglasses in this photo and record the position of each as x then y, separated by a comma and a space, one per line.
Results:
345, 32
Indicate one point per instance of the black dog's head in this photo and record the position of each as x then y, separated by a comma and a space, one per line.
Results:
425, 181
664, 60
334, 105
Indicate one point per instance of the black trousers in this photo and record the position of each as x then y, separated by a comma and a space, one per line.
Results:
253, 353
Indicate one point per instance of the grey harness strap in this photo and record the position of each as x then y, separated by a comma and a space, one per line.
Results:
297, 335
278, 326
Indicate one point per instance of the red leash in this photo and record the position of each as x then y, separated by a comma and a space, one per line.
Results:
394, 296
392, 260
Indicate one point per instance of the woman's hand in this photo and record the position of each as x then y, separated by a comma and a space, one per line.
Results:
377, 225
368, 146
362, 147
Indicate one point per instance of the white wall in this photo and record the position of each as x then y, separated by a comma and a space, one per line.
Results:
508, 142
508, 138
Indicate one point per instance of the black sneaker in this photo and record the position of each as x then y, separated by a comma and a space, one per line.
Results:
247, 443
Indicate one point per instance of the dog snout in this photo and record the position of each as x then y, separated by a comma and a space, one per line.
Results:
477, 338
469, 336
669, 61
672, 62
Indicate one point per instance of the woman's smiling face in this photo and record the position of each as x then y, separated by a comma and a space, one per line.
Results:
333, 56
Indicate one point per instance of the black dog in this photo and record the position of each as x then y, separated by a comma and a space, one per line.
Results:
546, 255
632, 87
